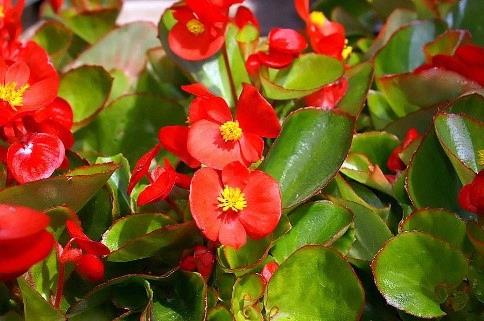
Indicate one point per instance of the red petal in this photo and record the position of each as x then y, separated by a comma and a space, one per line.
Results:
263, 210
19, 255
38, 61
142, 166
159, 189
17, 222
477, 193
56, 129
74, 230
276, 60
331, 45
204, 191
245, 16
209, 108
394, 163
174, 139
256, 115
286, 41
302, 9
207, 11
235, 175
183, 181
204, 260
92, 247
188, 264
197, 89
465, 199
90, 267
206, 144
35, 159
268, 270
58, 111
329, 96
251, 147
18, 73
232, 232
253, 64
40, 94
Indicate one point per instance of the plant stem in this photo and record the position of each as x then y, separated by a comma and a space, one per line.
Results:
60, 279
229, 73
174, 206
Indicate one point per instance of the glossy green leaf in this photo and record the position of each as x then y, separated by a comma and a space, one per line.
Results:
314, 284
324, 135
248, 290
73, 189
55, 38
471, 104
403, 51
476, 236
377, 146
463, 16
306, 75
462, 139
447, 43
421, 120
320, 222
381, 112
35, 307
386, 7
129, 125
416, 272
168, 240
111, 52
432, 181
219, 313
86, 89
359, 81
439, 223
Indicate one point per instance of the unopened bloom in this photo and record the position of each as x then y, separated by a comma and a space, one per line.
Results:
235, 203
202, 260
23, 239
394, 163
268, 270
471, 196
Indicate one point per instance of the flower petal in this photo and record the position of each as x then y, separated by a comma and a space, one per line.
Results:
19, 222
209, 108
40, 94
159, 189
263, 210
232, 232
37, 158
276, 60
302, 9
90, 267
251, 147
142, 166
18, 73
174, 139
235, 175
204, 191
245, 16
286, 41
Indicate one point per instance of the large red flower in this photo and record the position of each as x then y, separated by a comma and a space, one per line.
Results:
467, 61
326, 37
23, 239
231, 204
200, 29
471, 196
216, 138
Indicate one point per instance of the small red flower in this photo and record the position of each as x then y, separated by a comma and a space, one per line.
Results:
23, 239
216, 138
268, 270
394, 163
202, 260
471, 196
87, 257
326, 37
467, 61
200, 29
245, 16
285, 45
329, 96
231, 204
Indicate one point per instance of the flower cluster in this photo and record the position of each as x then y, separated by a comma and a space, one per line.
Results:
35, 123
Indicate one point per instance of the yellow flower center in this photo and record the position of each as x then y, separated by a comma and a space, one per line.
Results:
13, 95
480, 157
317, 18
347, 50
195, 27
2, 12
231, 131
232, 198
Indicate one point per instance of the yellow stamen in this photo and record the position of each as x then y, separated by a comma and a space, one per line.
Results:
230, 131
2, 12
480, 157
232, 198
347, 50
13, 95
195, 27
317, 18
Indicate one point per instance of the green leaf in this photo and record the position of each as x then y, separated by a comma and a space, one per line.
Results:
462, 139
167, 241
377, 146
55, 38
320, 222
35, 307
73, 189
313, 284
430, 167
307, 74
416, 272
245, 298
476, 236
359, 81
447, 43
219, 313
421, 120
403, 52
112, 51
463, 16
380, 110
129, 125
386, 7
86, 89
439, 223
471, 104
324, 135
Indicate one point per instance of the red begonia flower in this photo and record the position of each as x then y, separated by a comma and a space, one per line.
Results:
142, 167
202, 260
36, 157
10, 27
174, 139
471, 196
285, 45
84, 242
91, 267
394, 163
229, 205
326, 37
268, 270
23, 239
467, 61
216, 138
200, 29
245, 16
329, 96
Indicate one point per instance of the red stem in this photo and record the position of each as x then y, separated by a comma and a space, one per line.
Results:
60, 279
